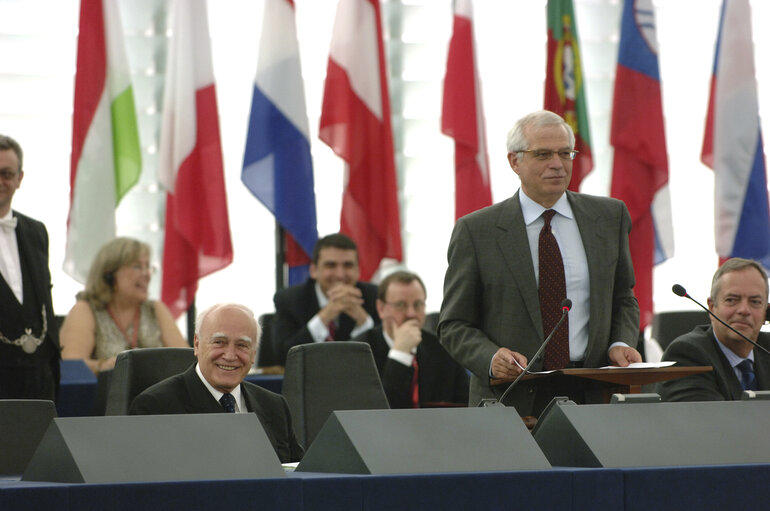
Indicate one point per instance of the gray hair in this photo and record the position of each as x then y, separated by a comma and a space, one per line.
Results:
517, 138
202, 316
731, 265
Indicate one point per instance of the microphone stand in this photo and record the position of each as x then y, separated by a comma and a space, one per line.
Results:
499, 402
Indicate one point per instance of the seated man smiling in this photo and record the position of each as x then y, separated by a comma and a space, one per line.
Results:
226, 337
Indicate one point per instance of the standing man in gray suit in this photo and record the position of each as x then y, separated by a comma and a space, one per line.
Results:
491, 320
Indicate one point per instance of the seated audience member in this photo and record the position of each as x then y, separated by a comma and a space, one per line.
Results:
739, 298
226, 337
331, 306
415, 369
113, 314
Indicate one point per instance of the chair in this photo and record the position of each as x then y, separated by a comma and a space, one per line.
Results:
323, 377
135, 370
267, 356
431, 322
667, 326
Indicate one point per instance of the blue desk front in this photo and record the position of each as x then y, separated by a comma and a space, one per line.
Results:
640, 489
78, 388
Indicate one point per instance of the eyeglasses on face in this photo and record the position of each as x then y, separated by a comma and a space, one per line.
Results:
402, 306
547, 154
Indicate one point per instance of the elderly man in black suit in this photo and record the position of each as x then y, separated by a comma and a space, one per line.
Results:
29, 337
331, 306
226, 337
512, 264
415, 369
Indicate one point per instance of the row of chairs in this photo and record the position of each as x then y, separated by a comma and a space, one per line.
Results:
319, 378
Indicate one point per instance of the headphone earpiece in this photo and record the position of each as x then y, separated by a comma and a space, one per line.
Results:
109, 279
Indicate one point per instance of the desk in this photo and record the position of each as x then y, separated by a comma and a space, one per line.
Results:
78, 388
639, 489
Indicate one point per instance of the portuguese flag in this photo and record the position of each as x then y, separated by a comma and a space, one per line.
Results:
564, 83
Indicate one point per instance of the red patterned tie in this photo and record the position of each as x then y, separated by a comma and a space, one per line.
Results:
415, 384
332, 330
552, 291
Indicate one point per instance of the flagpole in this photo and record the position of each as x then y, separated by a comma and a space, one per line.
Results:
280, 257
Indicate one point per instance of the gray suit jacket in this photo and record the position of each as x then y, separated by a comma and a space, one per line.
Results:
699, 348
491, 293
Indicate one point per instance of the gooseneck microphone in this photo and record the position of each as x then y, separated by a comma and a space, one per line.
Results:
680, 291
566, 305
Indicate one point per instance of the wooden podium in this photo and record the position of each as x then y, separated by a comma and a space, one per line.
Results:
605, 382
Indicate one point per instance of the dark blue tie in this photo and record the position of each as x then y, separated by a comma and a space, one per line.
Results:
748, 378
228, 403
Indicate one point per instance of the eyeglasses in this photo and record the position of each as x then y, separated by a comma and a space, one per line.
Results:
142, 267
547, 154
418, 306
8, 175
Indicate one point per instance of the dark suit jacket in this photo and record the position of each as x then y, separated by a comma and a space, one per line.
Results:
441, 379
699, 348
296, 305
491, 293
24, 375
186, 393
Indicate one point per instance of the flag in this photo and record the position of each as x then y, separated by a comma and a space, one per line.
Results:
106, 156
355, 123
640, 166
277, 167
732, 144
197, 240
462, 116
565, 84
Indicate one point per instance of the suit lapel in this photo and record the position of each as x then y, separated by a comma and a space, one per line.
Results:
514, 247
200, 399
30, 259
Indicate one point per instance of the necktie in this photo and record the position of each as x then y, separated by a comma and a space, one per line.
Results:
552, 290
8, 224
748, 378
415, 384
228, 403
332, 330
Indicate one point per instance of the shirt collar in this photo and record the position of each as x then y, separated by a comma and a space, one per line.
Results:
322, 299
236, 392
532, 210
730, 354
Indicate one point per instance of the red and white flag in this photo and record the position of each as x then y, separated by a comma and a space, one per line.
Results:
462, 116
355, 123
197, 240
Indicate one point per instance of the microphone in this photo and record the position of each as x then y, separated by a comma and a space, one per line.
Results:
566, 305
680, 291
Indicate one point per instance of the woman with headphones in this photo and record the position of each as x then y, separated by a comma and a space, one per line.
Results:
114, 313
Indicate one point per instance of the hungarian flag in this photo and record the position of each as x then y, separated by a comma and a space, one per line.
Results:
355, 123
564, 83
462, 116
277, 166
197, 240
732, 145
640, 167
106, 156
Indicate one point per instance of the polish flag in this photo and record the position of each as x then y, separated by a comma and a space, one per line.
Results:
106, 155
197, 240
462, 116
355, 123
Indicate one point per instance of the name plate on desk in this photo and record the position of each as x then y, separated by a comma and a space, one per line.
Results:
23, 422
423, 441
143, 448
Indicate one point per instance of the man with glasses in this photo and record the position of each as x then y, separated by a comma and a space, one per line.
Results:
512, 265
415, 369
29, 338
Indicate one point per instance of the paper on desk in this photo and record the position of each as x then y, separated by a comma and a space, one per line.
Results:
642, 365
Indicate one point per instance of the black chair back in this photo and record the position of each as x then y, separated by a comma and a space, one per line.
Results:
267, 356
135, 370
668, 325
323, 377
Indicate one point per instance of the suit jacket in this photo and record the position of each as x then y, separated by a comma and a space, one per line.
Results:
491, 293
440, 378
186, 393
24, 375
700, 348
296, 305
